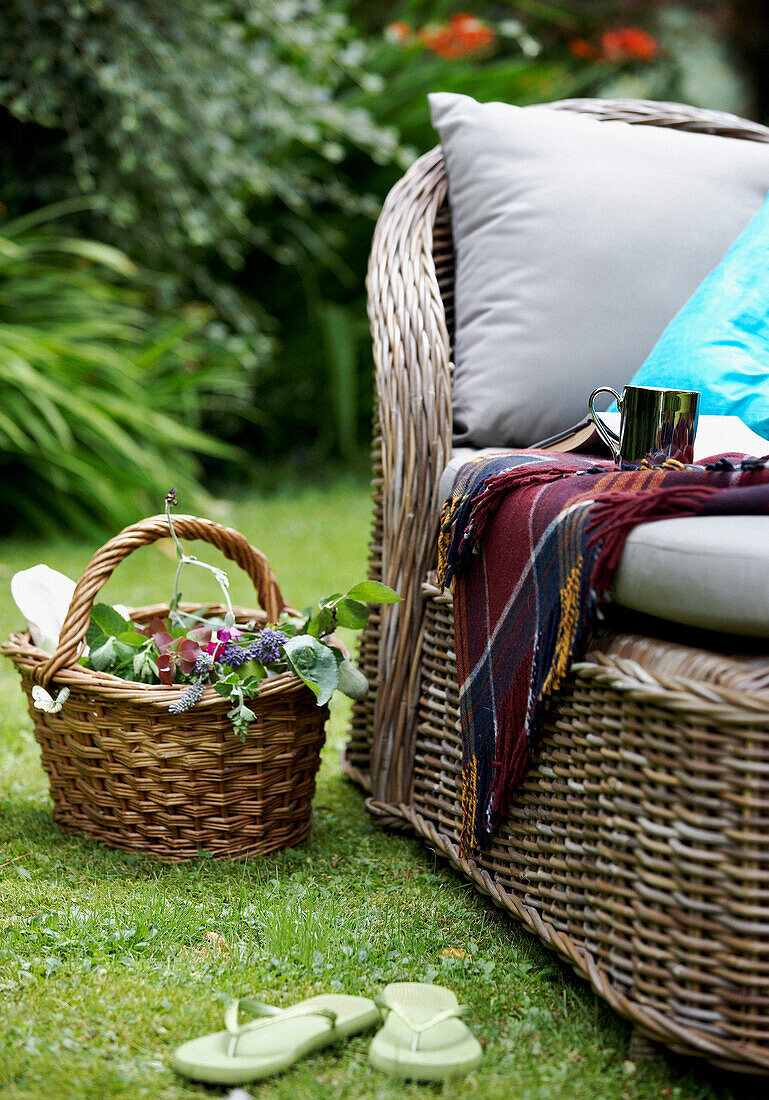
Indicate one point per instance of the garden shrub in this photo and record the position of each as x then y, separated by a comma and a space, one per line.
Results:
101, 398
209, 131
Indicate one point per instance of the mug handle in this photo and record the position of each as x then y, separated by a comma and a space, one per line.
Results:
610, 438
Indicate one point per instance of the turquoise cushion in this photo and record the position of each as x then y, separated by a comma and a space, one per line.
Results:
718, 342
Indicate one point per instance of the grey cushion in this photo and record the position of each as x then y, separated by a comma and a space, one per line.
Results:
576, 243
705, 571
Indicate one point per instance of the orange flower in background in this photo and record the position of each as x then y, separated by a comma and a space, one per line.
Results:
465, 24
465, 35
398, 32
462, 36
628, 43
640, 44
581, 48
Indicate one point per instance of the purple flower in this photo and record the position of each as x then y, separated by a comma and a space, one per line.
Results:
188, 698
233, 655
217, 647
266, 646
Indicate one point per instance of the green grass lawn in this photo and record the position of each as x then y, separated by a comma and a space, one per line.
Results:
103, 965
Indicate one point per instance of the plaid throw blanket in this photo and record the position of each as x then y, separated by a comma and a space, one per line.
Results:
530, 541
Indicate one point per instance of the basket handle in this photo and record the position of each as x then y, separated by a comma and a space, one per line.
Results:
101, 566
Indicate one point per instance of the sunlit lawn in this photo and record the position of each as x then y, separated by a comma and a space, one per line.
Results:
99, 974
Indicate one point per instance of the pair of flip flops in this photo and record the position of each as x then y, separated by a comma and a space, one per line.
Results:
423, 1036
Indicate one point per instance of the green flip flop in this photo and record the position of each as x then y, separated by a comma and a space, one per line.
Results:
275, 1040
423, 1037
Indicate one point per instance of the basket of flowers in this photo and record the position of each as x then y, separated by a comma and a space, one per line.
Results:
178, 729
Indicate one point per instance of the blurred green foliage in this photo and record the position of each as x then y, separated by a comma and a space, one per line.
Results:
209, 131
211, 134
240, 149
100, 398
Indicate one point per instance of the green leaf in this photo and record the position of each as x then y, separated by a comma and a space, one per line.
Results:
145, 670
291, 626
352, 614
132, 639
105, 622
125, 653
250, 684
103, 655
109, 652
315, 663
99, 253
352, 682
190, 619
322, 623
241, 716
230, 679
373, 592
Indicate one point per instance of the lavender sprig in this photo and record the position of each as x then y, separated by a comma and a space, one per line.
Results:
265, 648
194, 693
188, 698
233, 655
203, 664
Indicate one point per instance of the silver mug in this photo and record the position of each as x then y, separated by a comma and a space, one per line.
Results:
655, 425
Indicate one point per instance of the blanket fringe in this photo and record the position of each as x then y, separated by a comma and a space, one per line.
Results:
568, 625
468, 840
614, 515
511, 757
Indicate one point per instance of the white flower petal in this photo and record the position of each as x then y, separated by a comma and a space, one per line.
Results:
43, 596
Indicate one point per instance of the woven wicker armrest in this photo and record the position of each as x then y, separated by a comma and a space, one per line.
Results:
410, 329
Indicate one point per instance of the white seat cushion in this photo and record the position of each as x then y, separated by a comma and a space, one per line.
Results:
705, 571
710, 572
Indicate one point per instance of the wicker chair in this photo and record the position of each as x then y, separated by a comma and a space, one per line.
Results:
636, 846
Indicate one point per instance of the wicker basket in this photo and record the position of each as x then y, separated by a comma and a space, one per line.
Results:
125, 771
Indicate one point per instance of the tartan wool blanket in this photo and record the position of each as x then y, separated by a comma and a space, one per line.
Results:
529, 542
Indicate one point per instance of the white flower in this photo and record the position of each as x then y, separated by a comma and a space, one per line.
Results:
43, 596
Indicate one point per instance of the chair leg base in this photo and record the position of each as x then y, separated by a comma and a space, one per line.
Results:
388, 817
642, 1048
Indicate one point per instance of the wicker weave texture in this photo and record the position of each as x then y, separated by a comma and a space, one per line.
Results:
636, 833
125, 771
633, 848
